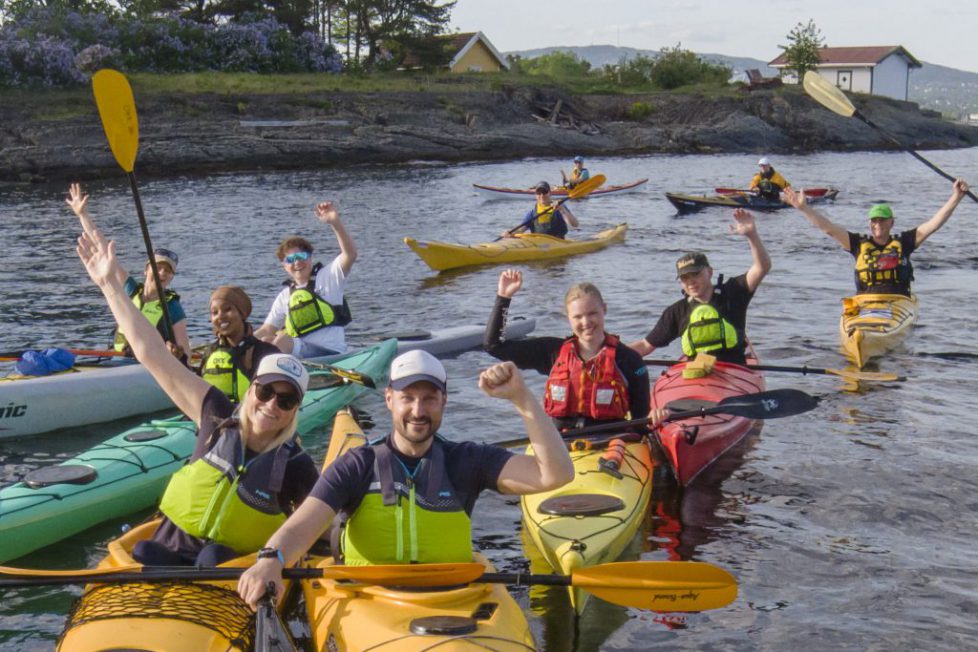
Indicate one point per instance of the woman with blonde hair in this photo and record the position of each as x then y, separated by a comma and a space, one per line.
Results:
247, 472
591, 375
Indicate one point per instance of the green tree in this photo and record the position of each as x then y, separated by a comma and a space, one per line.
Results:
557, 64
804, 42
675, 67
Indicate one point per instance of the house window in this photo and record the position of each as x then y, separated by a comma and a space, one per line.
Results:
843, 79
475, 68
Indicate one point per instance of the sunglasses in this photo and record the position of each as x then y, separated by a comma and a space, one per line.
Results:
296, 257
285, 401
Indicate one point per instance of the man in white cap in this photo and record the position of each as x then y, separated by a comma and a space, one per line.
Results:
768, 182
409, 498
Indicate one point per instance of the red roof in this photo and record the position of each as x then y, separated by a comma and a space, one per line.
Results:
865, 55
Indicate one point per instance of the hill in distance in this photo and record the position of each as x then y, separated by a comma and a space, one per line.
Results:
948, 90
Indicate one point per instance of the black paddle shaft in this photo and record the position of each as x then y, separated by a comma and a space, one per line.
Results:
171, 336
912, 153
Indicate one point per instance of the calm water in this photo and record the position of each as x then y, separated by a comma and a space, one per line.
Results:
850, 527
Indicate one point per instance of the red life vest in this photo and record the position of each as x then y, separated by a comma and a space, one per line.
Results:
594, 389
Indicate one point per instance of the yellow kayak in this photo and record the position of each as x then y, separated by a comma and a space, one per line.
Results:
592, 519
348, 616
440, 256
873, 324
158, 617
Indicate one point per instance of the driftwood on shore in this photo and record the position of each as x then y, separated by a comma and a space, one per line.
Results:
563, 116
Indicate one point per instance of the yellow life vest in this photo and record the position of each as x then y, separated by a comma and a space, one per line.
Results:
308, 312
152, 310
220, 498
882, 266
222, 368
408, 518
708, 331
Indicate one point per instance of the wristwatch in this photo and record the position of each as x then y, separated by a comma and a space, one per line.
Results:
272, 553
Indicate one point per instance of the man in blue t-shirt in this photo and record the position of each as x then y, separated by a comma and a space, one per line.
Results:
546, 217
445, 476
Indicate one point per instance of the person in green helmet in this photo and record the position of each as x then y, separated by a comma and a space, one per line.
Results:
312, 309
882, 264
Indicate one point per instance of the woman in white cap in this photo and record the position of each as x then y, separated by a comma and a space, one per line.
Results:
768, 182
145, 295
213, 511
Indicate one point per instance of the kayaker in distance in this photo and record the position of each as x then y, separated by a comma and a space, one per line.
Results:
711, 318
312, 308
592, 375
768, 182
258, 435
545, 217
437, 481
882, 259
144, 295
578, 173
230, 361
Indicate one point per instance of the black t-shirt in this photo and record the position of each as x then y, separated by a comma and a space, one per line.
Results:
730, 299
540, 353
908, 244
300, 474
471, 468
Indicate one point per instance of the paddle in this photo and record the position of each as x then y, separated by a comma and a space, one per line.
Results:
832, 98
345, 374
774, 404
117, 109
90, 353
582, 189
271, 635
855, 375
655, 585
809, 192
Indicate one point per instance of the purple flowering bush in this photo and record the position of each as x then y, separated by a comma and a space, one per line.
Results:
54, 48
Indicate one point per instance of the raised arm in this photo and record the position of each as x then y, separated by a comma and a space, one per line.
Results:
79, 206
745, 225
293, 539
550, 466
928, 228
642, 346
797, 199
183, 386
327, 213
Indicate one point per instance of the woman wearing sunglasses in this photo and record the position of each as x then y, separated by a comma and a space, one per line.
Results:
247, 472
312, 308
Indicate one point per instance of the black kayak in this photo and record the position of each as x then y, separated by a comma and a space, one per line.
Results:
690, 203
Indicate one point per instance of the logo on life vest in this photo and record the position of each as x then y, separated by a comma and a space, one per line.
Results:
558, 392
604, 396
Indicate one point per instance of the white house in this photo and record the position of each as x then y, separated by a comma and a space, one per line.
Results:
879, 70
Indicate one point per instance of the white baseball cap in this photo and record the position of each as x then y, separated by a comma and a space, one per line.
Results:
764, 161
284, 367
415, 366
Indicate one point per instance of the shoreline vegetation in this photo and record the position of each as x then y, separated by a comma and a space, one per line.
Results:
206, 122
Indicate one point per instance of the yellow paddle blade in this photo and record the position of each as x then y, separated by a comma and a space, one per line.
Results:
117, 109
345, 374
586, 187
867, 376
659, 585
407, 574
831, 97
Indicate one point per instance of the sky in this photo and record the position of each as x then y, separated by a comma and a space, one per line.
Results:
938, 31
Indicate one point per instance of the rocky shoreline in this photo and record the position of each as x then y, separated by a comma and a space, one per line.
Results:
201, 133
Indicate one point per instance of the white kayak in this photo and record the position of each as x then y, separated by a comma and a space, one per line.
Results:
106, 392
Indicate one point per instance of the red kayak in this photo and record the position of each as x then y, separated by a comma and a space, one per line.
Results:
691, 445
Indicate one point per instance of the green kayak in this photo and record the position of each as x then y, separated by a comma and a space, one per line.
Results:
129, 471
